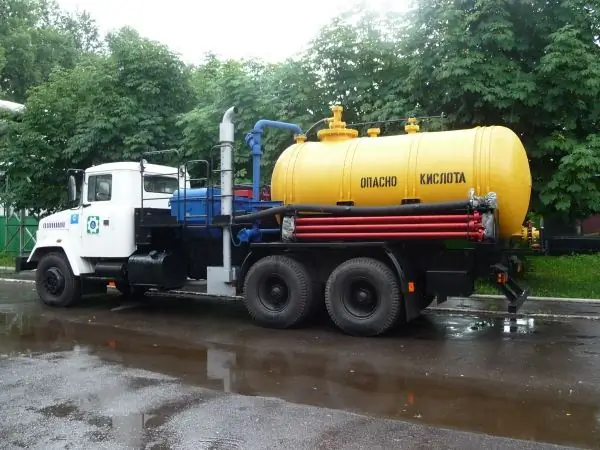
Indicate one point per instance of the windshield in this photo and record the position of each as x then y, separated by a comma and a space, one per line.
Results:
160, 184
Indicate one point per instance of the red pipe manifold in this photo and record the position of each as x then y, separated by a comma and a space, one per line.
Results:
472, 236
448, 218
470, 226
458, 226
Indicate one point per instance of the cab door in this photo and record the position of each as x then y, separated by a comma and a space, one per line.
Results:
99, 236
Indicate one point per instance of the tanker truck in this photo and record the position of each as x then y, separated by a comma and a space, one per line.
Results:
371, 229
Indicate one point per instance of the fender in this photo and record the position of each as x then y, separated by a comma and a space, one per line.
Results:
79, 265
250, 259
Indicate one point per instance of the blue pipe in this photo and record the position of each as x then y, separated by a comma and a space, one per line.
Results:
253, 140
255, 233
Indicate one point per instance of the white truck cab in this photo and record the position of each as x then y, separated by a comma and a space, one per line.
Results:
100, 227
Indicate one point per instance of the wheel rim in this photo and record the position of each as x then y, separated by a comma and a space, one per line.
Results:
274, 293
54, 282
360, 298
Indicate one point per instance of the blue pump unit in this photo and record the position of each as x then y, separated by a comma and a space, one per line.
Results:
198, 207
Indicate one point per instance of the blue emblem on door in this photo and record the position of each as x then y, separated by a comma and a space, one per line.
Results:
74, 219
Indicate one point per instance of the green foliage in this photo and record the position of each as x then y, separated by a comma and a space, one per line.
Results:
37, 37
533, 66
7, 260
107, 108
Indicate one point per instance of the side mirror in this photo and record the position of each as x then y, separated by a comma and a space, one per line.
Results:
72, 189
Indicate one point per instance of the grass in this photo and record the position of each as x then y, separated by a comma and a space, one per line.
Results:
576, 276
7, 260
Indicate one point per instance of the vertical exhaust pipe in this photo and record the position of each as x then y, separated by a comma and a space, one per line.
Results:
226, 139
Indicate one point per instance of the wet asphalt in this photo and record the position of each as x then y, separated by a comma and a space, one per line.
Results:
198, 374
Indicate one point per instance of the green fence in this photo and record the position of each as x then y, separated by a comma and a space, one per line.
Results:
14, 238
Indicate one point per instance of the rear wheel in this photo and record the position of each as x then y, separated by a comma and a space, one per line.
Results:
278, 292
55, 283
362, 296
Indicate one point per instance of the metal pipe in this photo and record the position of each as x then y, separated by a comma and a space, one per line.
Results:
417, 208
448, 218
253, 140
226, 138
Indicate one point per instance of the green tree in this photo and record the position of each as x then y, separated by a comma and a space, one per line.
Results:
534, 66
37, 37
360, 66
253, 87
355, 65
107, 108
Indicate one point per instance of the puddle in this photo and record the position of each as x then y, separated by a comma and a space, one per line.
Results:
344, 381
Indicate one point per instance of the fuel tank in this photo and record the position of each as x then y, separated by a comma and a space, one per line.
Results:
429, 167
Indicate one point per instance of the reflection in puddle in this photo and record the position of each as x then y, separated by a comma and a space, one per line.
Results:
129, 411
499, 326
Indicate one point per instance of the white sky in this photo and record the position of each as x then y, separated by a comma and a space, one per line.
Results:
268, 29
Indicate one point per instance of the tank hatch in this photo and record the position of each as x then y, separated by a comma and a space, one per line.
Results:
337, 130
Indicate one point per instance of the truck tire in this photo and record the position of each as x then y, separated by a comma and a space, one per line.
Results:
278, 292
363, 297
55, 283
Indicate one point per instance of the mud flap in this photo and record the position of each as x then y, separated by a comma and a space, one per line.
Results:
509, 288
411, 291
21, 263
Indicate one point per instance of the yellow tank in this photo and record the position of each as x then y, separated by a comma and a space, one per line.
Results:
433, 167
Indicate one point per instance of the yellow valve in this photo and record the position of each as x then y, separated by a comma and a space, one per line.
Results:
300, 138
411, 126
523, 234
373, 132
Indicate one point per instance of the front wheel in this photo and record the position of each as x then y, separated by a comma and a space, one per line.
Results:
363, 297
55, 283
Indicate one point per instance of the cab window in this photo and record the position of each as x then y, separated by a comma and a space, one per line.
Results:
99, 188
160, 184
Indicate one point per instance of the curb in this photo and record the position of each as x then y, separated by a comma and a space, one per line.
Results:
535, 299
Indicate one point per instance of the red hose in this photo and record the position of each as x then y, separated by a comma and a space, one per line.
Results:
447, 218
440, 227
474, 236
